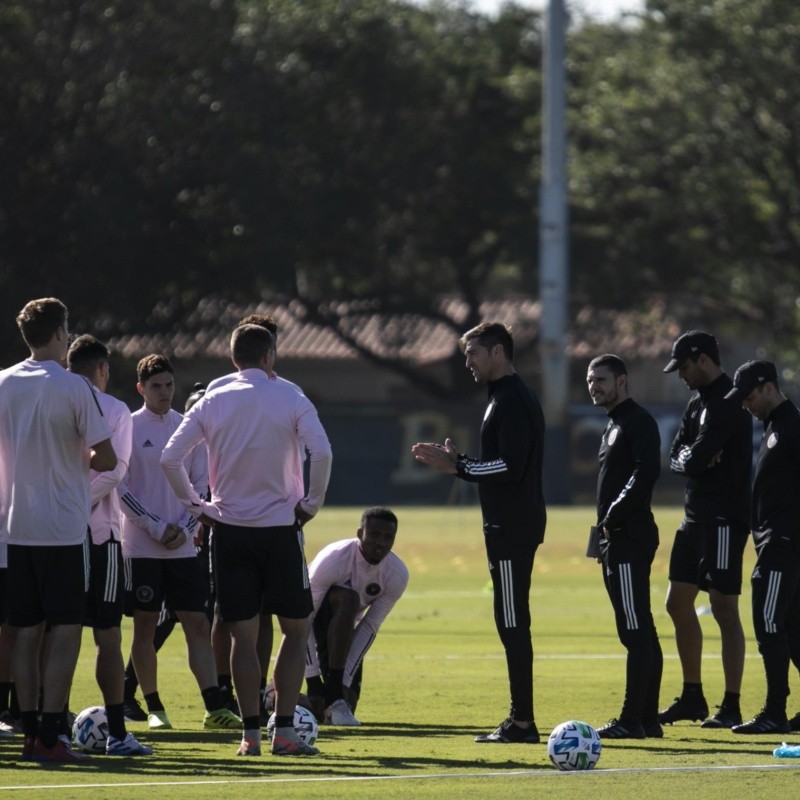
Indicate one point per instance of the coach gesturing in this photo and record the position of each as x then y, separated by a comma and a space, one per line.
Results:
256, 431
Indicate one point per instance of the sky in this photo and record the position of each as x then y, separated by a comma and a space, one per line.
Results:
603, 9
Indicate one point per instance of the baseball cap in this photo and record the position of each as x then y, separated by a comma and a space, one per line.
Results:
751, 375
690, 345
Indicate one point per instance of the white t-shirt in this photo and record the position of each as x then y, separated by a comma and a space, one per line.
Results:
105, 522
49, 418
378, 586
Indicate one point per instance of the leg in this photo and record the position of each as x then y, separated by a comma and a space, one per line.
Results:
198, 645
725, 608
109, 667
59, 667
688, 633
264, 643
25, 666
244, 664
290, 663
143, 652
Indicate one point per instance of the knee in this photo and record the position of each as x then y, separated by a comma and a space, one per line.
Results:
345, 603
725, 609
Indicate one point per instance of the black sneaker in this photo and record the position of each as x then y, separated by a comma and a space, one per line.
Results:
653, 729
724, 718
614, 729
510, 733
763, 723
794, 722
133, 710
684, 708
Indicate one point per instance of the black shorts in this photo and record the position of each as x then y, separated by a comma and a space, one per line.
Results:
177, 582
106, 586
322, 621
47, 584
709, 556
260, 570
3, 594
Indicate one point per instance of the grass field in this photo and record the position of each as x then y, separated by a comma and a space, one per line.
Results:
435, 677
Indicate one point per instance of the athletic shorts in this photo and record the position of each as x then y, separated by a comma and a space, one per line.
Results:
3, 594
709, 556
178, 583
47, 584
104, 600
260, 571
322, 621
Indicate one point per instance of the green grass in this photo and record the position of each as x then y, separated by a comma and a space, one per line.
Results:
435, 677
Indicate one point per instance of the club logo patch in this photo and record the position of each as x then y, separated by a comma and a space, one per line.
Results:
772, 441
612, 436
373, 589
144, 594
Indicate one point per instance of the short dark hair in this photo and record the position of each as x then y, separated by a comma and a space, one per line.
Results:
614, 363
263, 320
154, 364
40, 319
378, 512
86, 354
488, 335
249, 343
198, 391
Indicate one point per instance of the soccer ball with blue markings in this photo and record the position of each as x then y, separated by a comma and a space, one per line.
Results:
574, 745
90, 730
305, 723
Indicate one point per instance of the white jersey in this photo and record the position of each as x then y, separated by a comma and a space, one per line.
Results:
378, 586
148, 504
255, 430
105, 522
49, 418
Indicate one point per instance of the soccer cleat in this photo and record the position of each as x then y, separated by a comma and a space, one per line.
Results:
683, 708
158, 721
289, 744
249, 747
7, 718
507, 732
59, 753
724, 718
27, 748
340, 713
133, 710
763, 723
794, 722
614, 729
222, 719
6, 730
126, 747
653, 730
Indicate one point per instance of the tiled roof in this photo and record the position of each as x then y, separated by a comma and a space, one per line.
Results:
206, 331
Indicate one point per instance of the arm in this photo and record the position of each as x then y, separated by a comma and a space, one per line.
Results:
680, 442
312, 435
135, 511
645, 443
104, 482
102, 456
720, 423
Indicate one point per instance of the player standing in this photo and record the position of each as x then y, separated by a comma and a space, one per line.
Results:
630, 455
51, 431
256, 430
509, 477
713, 449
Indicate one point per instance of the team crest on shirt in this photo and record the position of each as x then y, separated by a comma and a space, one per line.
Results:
144, 594
373, 589
773, 440
612, 436
703, 416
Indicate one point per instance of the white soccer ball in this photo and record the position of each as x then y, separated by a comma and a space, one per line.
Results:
90, 730
574, 745
305, 723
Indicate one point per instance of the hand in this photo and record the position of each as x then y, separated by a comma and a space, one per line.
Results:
174, 537
440, 457
301, 515
209, 522
715, 459
606, 533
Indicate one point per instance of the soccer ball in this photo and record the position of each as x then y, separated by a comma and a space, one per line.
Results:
305, 723
90, 730
574, 745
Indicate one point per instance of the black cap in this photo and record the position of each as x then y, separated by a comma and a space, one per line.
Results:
751, 375
198, 390
690, 345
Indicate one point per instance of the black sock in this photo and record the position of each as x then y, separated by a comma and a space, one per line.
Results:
131, 681
30, 722
284, 722
333, 685
212, 698
224, 682
116, 720
153, 702
692, 690
13, 703
5, 693
251, 723
50, 727
162, 633
262, 685
731, 701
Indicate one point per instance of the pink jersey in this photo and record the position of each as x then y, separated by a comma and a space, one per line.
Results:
255, 430
49, 418
105, 522
378, 586
148, 504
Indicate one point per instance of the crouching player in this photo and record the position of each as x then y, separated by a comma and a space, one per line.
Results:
354, 585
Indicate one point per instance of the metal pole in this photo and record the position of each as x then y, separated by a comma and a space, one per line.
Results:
553, 256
